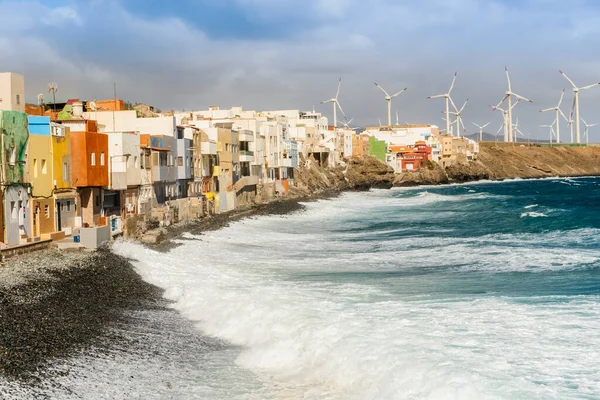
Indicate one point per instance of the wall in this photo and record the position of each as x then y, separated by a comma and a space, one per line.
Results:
12, 92
41, 165
43, 216
377, 148
83, 172
125, 170
17, 214
61, 158
111, 105
14, 135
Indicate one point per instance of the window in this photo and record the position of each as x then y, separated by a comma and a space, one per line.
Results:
68, 205
18, 99
180, 161
97, 201
35, 172
65, 172
12, 155
135, 161
93, 159
13, 210
44, 169
102, 159
47, 211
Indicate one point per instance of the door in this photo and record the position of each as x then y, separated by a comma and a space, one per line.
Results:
58, 216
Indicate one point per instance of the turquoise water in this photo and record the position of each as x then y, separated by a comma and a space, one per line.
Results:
486, 290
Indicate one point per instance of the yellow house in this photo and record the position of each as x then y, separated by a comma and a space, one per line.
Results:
49, 159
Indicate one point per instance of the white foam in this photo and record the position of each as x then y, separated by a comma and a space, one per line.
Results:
533, 214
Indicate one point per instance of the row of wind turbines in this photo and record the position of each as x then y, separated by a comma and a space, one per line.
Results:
511, 99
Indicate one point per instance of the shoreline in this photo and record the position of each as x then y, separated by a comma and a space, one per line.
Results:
55, 304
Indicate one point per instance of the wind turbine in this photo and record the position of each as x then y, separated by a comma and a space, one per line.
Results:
505, 118
335, 102
458, 115
447, 97
576, 90
587, 128
481, 130
509, 97
558, 114
389, 98
551, 126
516, 127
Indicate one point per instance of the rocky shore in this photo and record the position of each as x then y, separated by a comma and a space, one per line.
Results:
54, 304
508, 161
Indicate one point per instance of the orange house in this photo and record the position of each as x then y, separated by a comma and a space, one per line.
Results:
89, 168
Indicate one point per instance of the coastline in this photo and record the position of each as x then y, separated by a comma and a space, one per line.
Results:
54, 304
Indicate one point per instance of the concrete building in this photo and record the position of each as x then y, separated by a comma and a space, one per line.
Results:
184, 157
228, 171
16, 202
90, 169
12, 92
125, 174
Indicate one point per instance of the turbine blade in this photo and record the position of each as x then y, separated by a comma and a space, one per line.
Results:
569, 79
518, 96
563, 115
548, 109
338, 91
399, 93
463, 125
561, 98
508, 78
340, 107
585, 123
437, 96
501, 127
501, 101
485, 125
463, 107
382, 89
453, 105
589, 86
452, 85
476, 125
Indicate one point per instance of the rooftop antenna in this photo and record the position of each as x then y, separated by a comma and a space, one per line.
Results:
388, 99
53, 88
447, 97
576, 90
558, 114
114, 105
509, 98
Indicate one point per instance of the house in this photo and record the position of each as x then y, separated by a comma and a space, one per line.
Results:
53, 198
90, 169
12, 92
16, 202
121, 198
163, 168
183, 156
228, 171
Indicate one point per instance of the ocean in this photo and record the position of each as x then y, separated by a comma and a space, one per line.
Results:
488, 290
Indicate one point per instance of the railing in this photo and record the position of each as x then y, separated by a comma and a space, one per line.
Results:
246, 153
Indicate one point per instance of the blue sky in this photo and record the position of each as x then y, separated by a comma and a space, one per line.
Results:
269, 54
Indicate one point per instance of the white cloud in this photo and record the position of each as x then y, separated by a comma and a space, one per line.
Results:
61, 16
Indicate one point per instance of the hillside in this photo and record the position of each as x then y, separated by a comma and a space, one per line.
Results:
499, 161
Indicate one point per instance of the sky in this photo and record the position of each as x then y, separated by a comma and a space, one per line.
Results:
289, 54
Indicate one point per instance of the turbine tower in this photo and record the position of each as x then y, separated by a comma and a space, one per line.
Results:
388, 99
576, 90
447, 97
509, 98
558, 114
335, 102
481, 130
587, 129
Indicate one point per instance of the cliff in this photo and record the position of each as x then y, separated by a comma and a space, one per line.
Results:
358, 173
505, 161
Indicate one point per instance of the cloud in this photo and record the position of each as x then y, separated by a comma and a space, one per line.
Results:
267, 54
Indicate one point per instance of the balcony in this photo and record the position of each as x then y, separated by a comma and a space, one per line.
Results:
246, 156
